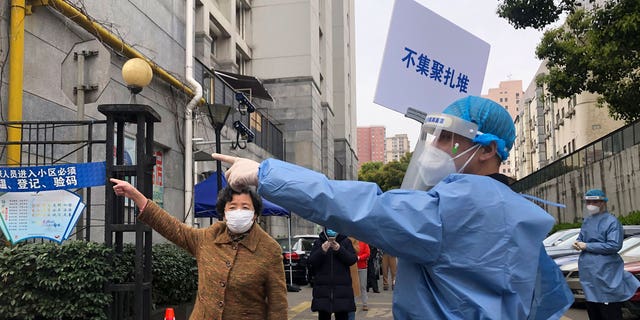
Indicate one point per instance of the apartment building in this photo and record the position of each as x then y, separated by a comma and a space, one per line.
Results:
508, 94
371, 144
548, 128
396, 147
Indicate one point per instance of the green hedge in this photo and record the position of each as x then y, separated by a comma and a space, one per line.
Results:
175, 275
50, 281
631, 218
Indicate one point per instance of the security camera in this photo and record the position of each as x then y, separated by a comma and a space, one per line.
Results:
245, 132
244, 104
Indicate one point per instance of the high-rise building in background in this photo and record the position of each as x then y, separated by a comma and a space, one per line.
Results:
509, 95
396, 147
371, 144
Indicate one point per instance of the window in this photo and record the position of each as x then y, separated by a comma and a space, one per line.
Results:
241, 61
214, 43
240, 19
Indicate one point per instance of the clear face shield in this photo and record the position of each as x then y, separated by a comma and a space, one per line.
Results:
430, 163
593, 205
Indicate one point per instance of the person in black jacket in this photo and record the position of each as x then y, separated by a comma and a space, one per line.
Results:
331, 256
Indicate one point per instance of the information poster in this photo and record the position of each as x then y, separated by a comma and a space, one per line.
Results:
46, 214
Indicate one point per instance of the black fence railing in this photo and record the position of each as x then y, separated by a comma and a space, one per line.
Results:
604, 147
59, 142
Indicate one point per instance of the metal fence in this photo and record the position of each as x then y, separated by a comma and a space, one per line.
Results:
59, 142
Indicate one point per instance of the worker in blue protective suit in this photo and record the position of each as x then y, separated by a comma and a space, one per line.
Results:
468, 247
605, 283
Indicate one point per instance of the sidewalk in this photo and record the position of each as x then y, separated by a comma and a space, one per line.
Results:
379, 305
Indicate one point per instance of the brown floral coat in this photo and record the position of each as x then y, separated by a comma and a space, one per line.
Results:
236, 280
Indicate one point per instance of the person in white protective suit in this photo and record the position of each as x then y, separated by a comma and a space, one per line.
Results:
468, 247
605, 283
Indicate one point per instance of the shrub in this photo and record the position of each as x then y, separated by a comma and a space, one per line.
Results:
632, 217
175, 275
51, 281
563, 226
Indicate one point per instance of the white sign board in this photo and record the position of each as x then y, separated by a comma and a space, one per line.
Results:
428, 61
45, 214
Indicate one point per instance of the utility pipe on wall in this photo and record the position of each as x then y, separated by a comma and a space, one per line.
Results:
16, 71
105, 36
114, 42
188, 121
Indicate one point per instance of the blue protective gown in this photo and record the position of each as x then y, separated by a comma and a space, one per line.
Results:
602, 272
470, 248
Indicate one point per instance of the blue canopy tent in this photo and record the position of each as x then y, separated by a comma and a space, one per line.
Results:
206, 196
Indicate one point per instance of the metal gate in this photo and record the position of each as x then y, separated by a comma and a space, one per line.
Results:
59, 142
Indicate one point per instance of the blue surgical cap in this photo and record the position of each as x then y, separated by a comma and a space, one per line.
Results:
595, 194
494, 122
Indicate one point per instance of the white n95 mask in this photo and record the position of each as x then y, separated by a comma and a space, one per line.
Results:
591, 209
239, 221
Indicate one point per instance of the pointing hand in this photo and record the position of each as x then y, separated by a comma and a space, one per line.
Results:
125, 189
243, 172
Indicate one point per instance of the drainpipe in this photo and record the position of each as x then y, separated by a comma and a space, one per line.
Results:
188, 121
16, 71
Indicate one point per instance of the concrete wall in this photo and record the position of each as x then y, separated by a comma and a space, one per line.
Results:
617, 175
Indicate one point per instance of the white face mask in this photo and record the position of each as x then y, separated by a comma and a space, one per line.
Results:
591, 209
239, 221
433, 166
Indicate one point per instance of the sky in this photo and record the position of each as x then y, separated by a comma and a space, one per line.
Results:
511, 57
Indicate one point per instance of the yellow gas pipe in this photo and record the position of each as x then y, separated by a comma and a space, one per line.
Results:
16, 69
16, 56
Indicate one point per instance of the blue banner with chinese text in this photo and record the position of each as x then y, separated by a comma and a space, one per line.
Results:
53, 177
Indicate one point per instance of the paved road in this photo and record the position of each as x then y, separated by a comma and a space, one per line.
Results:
379, 307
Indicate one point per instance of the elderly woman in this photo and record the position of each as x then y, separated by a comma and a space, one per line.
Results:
240, 270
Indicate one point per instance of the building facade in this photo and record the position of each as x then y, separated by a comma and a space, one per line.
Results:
301, 51
548, 128
508, 94
396, 147
371, 144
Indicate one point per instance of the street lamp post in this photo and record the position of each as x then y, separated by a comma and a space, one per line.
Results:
218, 114
137, 74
